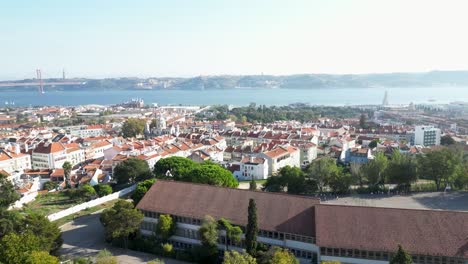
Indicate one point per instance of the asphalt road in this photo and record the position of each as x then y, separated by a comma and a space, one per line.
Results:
84, 237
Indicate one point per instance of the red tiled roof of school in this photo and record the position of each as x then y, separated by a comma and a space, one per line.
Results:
423, 232
291, 214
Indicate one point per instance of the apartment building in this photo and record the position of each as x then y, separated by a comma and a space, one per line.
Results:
426, 136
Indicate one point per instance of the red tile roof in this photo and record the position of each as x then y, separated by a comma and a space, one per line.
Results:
276, 212
47, 148
424, 232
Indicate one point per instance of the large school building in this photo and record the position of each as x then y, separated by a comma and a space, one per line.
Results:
314, 232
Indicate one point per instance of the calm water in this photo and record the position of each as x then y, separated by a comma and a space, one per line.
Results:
349, 96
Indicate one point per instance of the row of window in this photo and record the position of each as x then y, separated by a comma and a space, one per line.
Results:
286, 236
148, 226
385, 256
354, 253
262, 233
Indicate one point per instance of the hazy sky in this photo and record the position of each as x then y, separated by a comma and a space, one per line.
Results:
108, 38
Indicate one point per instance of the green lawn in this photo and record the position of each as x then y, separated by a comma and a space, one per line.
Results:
257, 181
49, 203
85, 212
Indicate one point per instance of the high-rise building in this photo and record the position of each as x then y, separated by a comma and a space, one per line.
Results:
385, 99
426, 136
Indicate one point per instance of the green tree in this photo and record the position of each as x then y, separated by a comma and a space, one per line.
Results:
235, 257
141, 189
401, 257
50, 185
105, 257
251, 229
291, 179
277, 255
15, 248
67, 167
153, 124
121, 221
401, 170
233, 233
8, 195
340, 182
211, 174
11, 221
373, 144
165, 227
178, 167
47, 232
132, 170
253, 185
441, 166
102, 189
208, 232
87, 192
374, 171
363, 121
321, 171
133, 127
447, 140
41, 257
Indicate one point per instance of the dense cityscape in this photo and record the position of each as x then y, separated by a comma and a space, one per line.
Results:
324, 161
234, 132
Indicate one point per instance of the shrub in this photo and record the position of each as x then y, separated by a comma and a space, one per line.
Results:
50, 185
167, 249
102, 189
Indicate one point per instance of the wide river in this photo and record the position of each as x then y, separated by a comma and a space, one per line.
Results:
328, 96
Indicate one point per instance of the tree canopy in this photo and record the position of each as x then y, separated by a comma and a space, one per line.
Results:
8, 195
441, 165
290, 179
178, 167
233, 233
102, 189
235, 257
141, 189
401, 170
165, 227
133, 127
277, 255
447, 140
251, 230
211, 174
121, 221
183, 169
208, 233
322, 170
132, 170
401, 257
374, 170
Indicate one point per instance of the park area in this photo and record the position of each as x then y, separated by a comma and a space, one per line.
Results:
49, 203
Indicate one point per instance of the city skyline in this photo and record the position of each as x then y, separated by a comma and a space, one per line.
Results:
184, 39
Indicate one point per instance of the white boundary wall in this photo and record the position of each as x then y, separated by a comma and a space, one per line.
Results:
92, 203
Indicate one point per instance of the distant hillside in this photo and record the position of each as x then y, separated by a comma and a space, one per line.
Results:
298, 81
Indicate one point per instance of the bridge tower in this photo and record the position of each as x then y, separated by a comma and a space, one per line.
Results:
39, 78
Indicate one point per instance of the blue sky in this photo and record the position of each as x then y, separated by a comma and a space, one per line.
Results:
109, 38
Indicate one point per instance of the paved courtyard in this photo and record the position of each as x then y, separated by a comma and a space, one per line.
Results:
436, 200
85, 237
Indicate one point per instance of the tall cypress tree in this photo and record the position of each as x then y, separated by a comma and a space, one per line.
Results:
401, 257
252, 229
